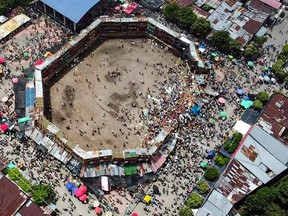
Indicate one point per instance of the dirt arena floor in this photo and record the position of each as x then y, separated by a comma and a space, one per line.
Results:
98, 102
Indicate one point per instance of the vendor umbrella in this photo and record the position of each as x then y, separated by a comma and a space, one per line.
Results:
4, 99
212, 121
98, 210
2, 60
69, 186
250, 63
109, 213
245, 97
96, 203
230, 56
4, 127
83, 198
78, 193
26, 55
74, 189
203, 164
240, 91
223, 114
117, 8
39, 62
134, 214
15, 80
83, 188
266, 79
222, 100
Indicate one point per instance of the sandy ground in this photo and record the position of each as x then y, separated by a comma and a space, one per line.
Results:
93, 107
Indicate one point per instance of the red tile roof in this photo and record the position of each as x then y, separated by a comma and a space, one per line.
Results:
252, 26
260, 6
11, 199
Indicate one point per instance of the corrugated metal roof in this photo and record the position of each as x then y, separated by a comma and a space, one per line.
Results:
272, 3
215, 205
72, 9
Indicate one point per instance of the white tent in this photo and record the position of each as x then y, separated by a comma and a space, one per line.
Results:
241, 127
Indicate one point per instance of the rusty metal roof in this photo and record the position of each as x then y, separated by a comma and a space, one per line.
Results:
274, 118
31, 209
11, 198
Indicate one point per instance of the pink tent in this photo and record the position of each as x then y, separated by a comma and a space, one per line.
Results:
2, 60
4, 127
83, 198
83, 188
78, 193
39, 62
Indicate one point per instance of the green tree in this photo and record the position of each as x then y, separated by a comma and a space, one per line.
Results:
277, 66
259, 41
43, 194
250, 52
258, 202
258, 104
170, 11
237, 137
230, 146
194, 201
282, 192
221, 161
263, 96
281, 74
25, 185
186, 17
202, 187
185, 211
211, 174
274, 210
201, 27
14, 174
286, 79
221, 40
234, 47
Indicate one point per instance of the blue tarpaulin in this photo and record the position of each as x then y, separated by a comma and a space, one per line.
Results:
69, 186
196, 109
211, 154
30, 97
72, 9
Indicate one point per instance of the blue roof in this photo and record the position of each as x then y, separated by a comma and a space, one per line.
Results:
72, 9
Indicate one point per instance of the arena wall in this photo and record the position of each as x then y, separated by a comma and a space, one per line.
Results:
100, 30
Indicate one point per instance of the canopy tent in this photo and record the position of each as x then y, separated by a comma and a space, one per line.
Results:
134, 214
83, 198
147, 199
202, 48
246, 103
266, 78
48, 55
212, 121
235, 61
213, 55
196, 109
39, 62
122, 1
223, 114
4, 127
203, 164
240, 91
222, 100
245, 97
98, 210
69, 186
242, 127
3, 19
2, 60
250, 63
25, 55
24, 119
230, 57
105, 186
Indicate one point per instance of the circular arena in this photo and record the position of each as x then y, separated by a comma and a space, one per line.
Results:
90, 97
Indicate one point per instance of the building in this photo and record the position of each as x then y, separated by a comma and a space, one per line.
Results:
14, 202
259, 158
70, 13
